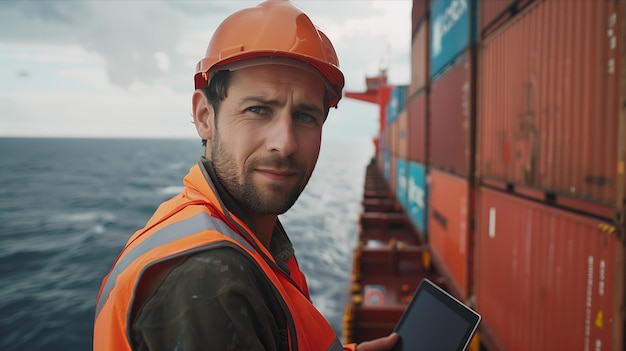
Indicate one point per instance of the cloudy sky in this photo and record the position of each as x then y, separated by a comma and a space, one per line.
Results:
80, 68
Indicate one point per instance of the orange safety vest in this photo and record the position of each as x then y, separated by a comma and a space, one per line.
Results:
191, 222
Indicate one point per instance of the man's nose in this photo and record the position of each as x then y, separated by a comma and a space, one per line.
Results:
281, 136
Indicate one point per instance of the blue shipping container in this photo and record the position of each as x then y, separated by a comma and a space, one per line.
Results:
417, 194
402, 182
450, 31
397, 103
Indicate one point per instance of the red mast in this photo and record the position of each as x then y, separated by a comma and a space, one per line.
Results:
378, 92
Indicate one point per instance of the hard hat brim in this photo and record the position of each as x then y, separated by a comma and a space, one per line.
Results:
333, 77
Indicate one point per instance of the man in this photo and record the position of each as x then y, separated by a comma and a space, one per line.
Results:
214, 268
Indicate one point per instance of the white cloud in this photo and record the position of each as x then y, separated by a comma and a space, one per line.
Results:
163, 61
137, 59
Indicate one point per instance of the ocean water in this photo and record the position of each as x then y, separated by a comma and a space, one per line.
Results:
67, 206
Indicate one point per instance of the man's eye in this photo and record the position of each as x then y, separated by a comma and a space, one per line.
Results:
257, 109
305, 117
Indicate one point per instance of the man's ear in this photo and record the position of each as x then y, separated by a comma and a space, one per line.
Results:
202, 115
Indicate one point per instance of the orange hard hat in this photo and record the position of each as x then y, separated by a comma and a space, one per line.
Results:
273, 29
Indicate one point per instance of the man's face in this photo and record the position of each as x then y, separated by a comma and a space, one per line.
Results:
267, 136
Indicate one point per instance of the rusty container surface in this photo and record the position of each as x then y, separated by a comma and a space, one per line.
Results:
495, 13
419, 60
547, 279
450, 119
418, 13
450, 236
418, 132
403, 134
548, 101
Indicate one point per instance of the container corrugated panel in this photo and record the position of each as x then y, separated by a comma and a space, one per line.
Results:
417, 128
547, 279
548, 100
403, 134
449, 201
450, 32
417, 13
402, 184
495, 13
450, 119
492, 11
417, 197
419, 60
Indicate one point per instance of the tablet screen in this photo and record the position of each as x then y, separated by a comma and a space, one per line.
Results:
434, 320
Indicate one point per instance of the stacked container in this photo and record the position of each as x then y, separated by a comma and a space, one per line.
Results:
398, 145
548, 278
551, 124
551, 133
509, 161
417, 124
451, 140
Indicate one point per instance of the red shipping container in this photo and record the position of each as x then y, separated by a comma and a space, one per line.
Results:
450, 237
547, 279
419, 60
403, 134
494, 13
549, 105
450, 119
417, 13
418, 136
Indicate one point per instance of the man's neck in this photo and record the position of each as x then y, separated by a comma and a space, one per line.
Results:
263, 227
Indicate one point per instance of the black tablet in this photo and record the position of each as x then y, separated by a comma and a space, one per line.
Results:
435, 321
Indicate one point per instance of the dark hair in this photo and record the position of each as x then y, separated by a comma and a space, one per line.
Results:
216, 91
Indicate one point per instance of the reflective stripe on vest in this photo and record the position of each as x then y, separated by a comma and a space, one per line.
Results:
173, 232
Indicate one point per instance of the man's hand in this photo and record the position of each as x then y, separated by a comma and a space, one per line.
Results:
381, 344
